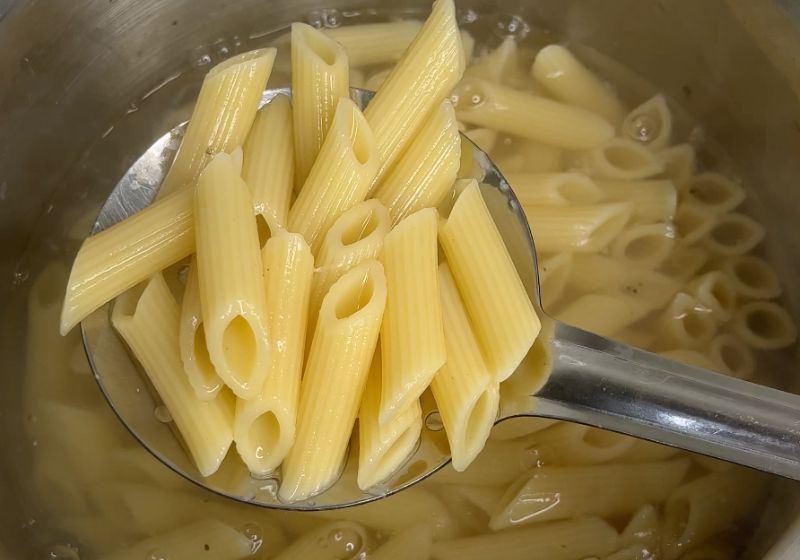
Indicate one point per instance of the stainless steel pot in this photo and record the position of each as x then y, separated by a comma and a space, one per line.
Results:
86, 85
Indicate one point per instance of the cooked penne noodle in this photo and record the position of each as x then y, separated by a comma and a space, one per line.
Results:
499, 464
375, 81
645, 246
692, 223
425, 74
565, 492
537, 157
684, 262
554, 272
424, 173
708, 505
414, 542
384, 447
563, 540
222, 116
335, 375
148, 322
340, 177
230, 278
482, 103
714, 192
484, 138
679, 164
619, 159
500, 65
412, 336
604, 314
752, 277
369, 44
685, 323
320, 78
715, 291
466, 394
653, 200
330, 541
733, 235
583, 229
650, 123
502, 315
560, 189
764, 325
127, 253
264, 427
268, 164
736, 357
192, 338
573, 444
567, 79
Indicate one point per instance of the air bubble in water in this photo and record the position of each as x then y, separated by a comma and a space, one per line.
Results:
345, 543
315, 20
466, 16
221, 48
506, 25
253, 533
331, 18
62, 552
643, 128
156, 554
20, 276
433, 421
162, 414
200, 56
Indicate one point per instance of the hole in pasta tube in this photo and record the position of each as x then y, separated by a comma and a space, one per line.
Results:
629, 158
264, 434
481, 418
697, 323
360, 139
356, 296
323, 47
735, 234
264, 230
766, 323
398, 453
239, 348
732, 353
754, 278
202, 359
360, 228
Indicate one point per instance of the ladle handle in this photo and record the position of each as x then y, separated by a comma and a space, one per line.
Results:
610, 385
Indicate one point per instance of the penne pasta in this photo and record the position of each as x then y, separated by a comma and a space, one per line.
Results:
679, 164
576, 228
684, 262
715, 192
653, 200
229, 272
715, 291
644, 246
340, 177
733, 355
692, 223
412, 335
764, 325
573, 444
502, 315
604, 314
320, 78
752, 277
685, 323
425, 74
221, 118
554, 272
370, 44
500, 65
268, 163
116, 259
148, 320
484, 138
567, 79
424, 173
334, 379
482, 103
650, 123
619, 159
330, 541
466, 393
559, 189
565, 492
264, 427
732, 235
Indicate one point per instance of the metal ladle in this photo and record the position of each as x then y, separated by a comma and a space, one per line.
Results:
592, 380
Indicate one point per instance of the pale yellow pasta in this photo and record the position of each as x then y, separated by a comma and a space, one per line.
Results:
340, 177
425, 74
619, 159
519, 426
412, 335
264, 427
644, 245
328, 542
375, 43
679, 164
566, 78
685, 323
650, 123
583, 229
560, 189
604, 314
563, 540
129, 252
490, 105
714, 192
643, 528
733, 234
653, 200
498, 464
484, 138
335, 375
708, 505
764, 325
268, 165
499, 65
357, 78
502, 315
573, 444
467, 45
413, 542
539, 158
375, 81
209, 539
554, 271
733, 354
692, 223
148, 322
466, 393
320, 78
424, 174
192, 337
230, 278
222, 116
684, 262
566, 492
384, 447
715, 291
472, 504
752, 277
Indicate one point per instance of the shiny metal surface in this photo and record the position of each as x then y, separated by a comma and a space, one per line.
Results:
72, 69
